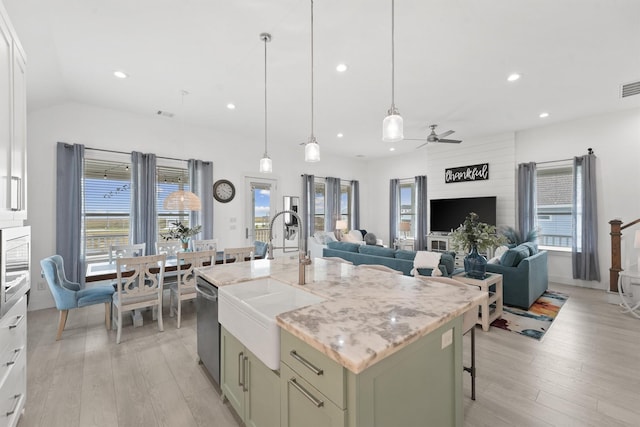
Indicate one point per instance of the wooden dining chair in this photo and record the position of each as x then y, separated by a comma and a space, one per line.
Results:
126, 251
169, 247
139, 285
240, 254
185, 287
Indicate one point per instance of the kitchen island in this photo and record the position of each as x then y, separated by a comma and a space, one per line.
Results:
381, 349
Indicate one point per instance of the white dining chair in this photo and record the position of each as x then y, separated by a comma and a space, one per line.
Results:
126, 251
239, 254
185, 287
205, 245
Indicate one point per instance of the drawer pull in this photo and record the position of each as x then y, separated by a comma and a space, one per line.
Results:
16, 354
306, 363
17, 397
241, 370
305, 393
19, 320
245, 361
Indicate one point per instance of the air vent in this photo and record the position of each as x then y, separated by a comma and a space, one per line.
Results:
164, 113
630, 89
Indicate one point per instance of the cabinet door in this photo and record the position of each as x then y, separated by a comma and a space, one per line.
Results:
5, 119
18, 198
232, 372
304, 406
262, 402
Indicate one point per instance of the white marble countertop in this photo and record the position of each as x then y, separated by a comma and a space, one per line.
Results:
368, 314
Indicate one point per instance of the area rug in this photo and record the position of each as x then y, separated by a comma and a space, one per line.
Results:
535, 321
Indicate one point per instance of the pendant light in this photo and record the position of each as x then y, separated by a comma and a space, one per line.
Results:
392, 126
311, 148
265, 161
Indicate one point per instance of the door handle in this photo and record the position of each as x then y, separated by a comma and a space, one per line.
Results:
245, 386
241, 370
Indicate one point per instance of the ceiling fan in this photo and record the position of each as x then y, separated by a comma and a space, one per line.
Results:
434, 137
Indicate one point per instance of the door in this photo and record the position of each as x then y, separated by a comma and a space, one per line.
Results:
260, 208
232, 370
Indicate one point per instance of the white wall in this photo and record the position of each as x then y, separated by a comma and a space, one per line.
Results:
233, 158
615, 139
432, 160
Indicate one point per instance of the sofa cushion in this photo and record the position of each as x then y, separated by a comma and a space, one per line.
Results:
533, 247
408, 255
324, 237
377, 250
344, 246
512, 257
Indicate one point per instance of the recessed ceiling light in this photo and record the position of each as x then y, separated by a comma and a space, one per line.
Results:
340, 135
341, 68
513, 77
392, 149
120, 74
543, 115
231, 106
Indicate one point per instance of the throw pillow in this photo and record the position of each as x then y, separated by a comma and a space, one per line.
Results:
370, 239
533, 247
512, 257
494, 260
343, 246
500, 250
376, 250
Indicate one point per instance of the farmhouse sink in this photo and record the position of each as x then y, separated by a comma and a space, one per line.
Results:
248, 311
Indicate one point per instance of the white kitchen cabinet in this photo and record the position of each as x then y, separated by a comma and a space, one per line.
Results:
13, 126
13, 363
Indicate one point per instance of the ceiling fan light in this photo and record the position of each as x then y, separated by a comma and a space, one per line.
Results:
392, 128
312, 151
266, 165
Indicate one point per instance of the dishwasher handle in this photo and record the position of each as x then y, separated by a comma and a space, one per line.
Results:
206, 294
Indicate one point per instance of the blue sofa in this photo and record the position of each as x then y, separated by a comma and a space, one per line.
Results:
524, 274
397, 259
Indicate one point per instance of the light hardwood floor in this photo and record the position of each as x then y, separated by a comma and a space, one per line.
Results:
584, 372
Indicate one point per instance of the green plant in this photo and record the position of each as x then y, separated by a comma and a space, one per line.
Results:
472, 233
515, 237
181, 231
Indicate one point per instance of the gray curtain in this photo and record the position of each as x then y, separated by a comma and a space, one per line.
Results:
69, 206
585, 219
308, 212
143, 200
526, 197
394, 194
201, 179
332, 212
421, 215
355, 206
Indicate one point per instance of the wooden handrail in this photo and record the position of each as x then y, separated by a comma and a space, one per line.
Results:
616, 255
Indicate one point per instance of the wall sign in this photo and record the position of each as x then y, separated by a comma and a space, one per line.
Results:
467, 173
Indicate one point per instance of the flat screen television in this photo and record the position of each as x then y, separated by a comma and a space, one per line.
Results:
448, 214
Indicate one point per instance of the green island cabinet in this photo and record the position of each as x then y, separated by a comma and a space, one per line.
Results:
253, 390
420, 385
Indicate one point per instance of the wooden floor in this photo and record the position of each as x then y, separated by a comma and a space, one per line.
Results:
584, 372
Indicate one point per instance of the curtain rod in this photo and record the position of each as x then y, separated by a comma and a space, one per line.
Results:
589, 151
124, 152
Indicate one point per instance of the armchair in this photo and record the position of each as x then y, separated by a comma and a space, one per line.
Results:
68, 295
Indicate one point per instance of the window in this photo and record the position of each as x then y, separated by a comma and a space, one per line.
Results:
319, 197
345, 202
107, 205
169, 178
407, 209
554, 205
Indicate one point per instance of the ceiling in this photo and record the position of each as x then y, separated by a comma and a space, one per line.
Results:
452, 59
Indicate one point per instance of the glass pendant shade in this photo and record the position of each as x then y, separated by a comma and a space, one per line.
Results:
265, 164
312, 151
392, 127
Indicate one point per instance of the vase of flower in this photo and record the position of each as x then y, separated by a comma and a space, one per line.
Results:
475, 265
185, 243
181, 232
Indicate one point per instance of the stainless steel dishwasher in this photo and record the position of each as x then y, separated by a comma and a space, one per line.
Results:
208, 328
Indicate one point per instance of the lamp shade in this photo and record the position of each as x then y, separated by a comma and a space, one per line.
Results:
181, 201
341, 224
392, 128
312, 151
636, 242
405, 226
265, 164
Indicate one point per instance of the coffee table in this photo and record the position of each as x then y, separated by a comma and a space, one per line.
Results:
487, 313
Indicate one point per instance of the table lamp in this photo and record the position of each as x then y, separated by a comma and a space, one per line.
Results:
636, 244
340, 226
405, 227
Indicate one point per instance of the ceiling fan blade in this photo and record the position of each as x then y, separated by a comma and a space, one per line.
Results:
421, 145
447, 133
450, 141
414, 139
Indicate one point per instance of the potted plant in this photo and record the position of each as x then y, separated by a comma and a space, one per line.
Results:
473, 236
182, 233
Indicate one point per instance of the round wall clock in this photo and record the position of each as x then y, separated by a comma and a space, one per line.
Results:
224, 191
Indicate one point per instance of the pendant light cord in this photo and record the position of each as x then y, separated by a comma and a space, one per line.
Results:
393, 56
265, 95
312, 128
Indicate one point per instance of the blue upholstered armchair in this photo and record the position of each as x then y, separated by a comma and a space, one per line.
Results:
261, 249
68, 295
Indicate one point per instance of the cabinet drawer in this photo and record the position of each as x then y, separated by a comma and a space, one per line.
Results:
305, 406
321, 372
9, 358
13, 326
13, 392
